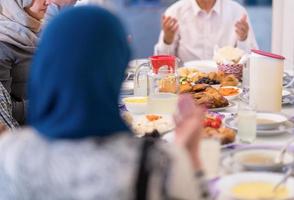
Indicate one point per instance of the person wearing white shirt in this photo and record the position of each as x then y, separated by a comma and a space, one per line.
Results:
191, 29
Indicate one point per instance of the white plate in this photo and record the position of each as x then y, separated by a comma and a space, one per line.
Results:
231, 104
141, 125
277, 120
230, 122
226, 184
202, 65
271, 153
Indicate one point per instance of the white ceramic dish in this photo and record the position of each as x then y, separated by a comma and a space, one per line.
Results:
276, 120
202, 65
231, 122
242, 157
135, 107
233, 97
226, 184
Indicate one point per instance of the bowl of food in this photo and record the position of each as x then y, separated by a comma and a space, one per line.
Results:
230, 92
136, 104
268, 121
255, 186
227, 59
258, 159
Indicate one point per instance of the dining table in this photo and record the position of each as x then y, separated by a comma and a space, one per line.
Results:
265, 141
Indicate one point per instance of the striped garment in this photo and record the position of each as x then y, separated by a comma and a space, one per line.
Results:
35, 168
6, 109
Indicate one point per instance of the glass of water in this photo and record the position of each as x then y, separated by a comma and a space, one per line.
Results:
210, 153
246, 123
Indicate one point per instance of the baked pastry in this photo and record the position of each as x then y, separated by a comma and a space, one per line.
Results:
220, 76
229, 80
199, 87
208, 96
185, 88
225, 135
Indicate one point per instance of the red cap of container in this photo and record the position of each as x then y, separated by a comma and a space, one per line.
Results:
163, 60
268, 54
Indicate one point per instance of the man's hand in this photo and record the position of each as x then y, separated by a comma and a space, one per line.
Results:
242, 28
62, 3
170, 27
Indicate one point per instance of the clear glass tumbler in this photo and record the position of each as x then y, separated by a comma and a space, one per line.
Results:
246, 120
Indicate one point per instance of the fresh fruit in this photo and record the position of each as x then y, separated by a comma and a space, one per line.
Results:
213, 120
215, 124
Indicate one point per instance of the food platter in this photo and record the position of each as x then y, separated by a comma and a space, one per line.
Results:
152, 125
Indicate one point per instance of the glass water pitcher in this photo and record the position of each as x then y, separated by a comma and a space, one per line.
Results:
162, 83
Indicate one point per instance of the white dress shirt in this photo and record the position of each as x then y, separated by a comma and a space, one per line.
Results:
199, 32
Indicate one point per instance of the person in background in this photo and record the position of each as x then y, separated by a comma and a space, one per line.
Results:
20, 23
76, 145
55, 6
191, 29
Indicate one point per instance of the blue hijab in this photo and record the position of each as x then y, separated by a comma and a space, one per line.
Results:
76, 75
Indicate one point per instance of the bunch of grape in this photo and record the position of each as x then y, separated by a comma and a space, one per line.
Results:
206, 80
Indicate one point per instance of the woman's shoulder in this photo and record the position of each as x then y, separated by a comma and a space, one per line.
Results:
14, 138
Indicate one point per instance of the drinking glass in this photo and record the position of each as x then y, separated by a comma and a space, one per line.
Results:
246, 123
210, 151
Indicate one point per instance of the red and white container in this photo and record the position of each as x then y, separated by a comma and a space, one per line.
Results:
266, 81
231, 69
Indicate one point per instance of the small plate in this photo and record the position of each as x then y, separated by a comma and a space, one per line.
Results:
226, 184
202, 65
230, 122
231, 104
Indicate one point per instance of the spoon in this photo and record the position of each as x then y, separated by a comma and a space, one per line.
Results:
284, 179
280, 157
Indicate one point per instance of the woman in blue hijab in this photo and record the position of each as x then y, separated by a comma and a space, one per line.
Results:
77, 147
76, 77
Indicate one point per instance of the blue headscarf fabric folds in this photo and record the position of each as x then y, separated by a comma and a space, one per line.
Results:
76, 75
